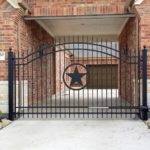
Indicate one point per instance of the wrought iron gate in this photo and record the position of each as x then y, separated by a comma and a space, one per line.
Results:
78, 77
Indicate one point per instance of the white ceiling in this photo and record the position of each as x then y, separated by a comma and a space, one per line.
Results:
96, 25
103, 26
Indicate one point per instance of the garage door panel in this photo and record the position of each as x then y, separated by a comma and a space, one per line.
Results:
103, 77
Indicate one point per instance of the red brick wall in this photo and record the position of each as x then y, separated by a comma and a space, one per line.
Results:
144, 13
128, 40
94, 61
75, 7
31, 37
22, 36
19, 34
62, 61
6, 37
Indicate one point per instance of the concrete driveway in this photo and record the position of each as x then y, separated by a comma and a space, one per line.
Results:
75, 135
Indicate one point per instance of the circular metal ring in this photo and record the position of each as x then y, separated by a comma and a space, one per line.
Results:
75, 64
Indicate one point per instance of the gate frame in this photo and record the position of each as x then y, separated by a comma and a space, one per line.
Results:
143, 107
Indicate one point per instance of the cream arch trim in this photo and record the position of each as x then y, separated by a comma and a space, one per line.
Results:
13, 3
137, 2
20, 4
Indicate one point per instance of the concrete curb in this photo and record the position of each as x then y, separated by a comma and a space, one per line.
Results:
4, 123
148, 123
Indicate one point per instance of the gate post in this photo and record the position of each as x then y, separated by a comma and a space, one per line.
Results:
144, 107
10, 84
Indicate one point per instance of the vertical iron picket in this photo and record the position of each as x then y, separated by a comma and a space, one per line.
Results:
144, 108
10, 84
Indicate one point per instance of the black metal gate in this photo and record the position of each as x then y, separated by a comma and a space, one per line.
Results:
78, 77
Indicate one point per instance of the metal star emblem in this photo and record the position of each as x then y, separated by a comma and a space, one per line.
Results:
76, 77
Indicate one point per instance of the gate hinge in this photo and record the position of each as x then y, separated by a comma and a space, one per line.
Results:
144, 108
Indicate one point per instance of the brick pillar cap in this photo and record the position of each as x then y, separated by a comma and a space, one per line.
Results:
144, 46
10, 49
